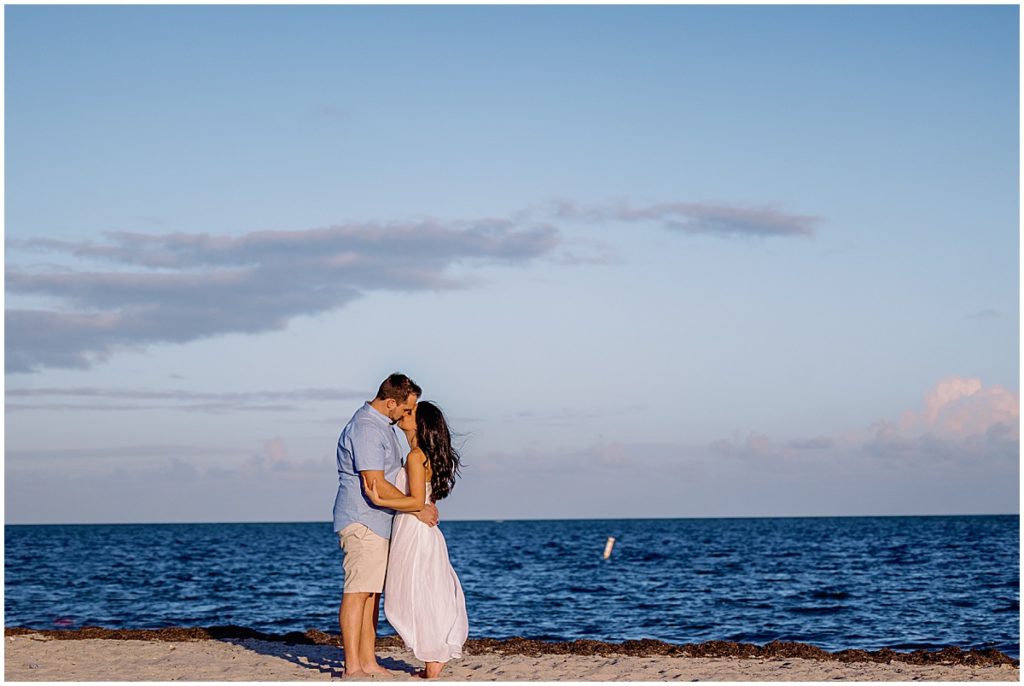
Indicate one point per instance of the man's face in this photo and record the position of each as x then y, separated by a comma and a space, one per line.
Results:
404, 410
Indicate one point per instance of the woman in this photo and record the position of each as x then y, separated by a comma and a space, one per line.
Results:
423, 598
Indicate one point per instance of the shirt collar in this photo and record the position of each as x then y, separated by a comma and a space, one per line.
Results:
377, 415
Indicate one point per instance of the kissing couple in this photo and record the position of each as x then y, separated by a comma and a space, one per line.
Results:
386, 522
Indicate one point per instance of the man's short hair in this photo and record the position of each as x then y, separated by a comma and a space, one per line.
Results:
398, 387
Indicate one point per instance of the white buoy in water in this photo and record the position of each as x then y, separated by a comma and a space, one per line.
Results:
608, 547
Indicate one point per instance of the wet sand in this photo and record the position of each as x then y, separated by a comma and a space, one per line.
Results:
238, 654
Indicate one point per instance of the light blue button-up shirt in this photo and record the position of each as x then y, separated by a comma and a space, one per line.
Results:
368, 442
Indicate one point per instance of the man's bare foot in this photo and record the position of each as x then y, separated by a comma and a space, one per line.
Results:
377, 669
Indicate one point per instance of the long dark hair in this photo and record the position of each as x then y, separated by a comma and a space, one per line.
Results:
435, 439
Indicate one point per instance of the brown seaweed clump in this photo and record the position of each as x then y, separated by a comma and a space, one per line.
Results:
531, 647
169, 634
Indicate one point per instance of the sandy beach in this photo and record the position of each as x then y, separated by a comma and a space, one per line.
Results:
42, 657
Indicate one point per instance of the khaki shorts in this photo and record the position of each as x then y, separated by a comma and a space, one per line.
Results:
366, 559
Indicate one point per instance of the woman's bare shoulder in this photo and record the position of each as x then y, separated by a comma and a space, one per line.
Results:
418, 456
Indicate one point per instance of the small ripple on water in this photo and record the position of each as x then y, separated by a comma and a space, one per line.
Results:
827, 610
829, 595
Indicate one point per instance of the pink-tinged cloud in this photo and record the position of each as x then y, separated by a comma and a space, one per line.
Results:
275, 450
961, 420
959, 406
755, 445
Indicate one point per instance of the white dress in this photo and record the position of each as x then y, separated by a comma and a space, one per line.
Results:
423, 598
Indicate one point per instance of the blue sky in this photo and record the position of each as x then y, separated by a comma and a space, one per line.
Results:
652, 261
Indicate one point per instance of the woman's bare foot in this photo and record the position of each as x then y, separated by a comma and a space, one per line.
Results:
433, 669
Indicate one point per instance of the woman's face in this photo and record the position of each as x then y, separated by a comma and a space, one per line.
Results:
408, 421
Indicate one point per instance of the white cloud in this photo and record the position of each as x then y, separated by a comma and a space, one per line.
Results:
696, 218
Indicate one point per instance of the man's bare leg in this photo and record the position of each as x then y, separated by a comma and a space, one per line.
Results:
368, 642
350, 616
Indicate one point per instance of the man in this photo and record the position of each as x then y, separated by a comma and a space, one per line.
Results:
368, 449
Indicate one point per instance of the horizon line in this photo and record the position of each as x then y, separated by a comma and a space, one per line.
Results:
533, 519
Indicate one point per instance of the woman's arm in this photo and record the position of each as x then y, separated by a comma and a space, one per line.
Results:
415, 471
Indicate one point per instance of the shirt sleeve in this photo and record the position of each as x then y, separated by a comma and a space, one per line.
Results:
368, 449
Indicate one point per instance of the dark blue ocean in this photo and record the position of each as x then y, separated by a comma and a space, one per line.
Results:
871, 582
